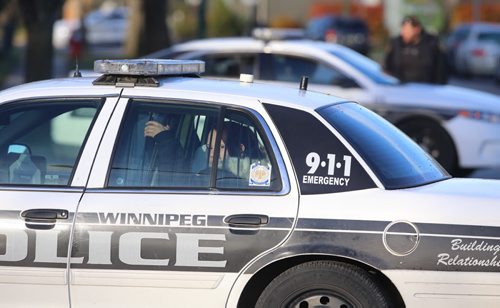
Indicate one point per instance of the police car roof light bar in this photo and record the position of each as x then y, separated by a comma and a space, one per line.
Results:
149, 67
269, 34
142, 72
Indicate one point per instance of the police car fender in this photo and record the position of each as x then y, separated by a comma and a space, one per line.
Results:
380, 238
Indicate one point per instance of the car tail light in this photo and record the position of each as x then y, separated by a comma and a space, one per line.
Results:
478, 52
480, 115
331, 36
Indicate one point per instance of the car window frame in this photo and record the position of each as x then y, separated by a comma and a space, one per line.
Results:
274, 152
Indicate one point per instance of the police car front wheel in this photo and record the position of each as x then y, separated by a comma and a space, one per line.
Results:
323, 284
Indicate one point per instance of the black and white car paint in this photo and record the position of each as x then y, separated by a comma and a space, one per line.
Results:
355, 196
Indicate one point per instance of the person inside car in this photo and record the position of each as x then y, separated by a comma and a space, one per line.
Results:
232, 156
165, 161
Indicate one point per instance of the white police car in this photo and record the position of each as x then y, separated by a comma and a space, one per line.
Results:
150, 187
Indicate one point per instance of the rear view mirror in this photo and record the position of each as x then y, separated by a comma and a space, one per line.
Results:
19, 149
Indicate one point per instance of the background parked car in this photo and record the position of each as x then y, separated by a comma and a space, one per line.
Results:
473, 48
439, 118
105, 26
497, 70
349, 31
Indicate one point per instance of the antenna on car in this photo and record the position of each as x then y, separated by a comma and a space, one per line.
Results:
303, 83
77, 70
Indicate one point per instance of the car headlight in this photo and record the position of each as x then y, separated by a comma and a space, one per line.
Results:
480, 115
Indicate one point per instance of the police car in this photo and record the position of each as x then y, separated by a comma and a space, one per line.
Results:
151, 187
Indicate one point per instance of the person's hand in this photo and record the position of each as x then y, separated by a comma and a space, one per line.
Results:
153, 128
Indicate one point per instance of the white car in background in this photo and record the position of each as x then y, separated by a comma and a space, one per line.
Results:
477, 50
459, 127
105, 26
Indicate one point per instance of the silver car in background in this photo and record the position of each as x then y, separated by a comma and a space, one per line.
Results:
473, 48
106, 26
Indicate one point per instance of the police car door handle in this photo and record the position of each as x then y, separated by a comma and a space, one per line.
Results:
246, 220
43, 218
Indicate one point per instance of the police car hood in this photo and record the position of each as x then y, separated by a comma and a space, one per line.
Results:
439, 96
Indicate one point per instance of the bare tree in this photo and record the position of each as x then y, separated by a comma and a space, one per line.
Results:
39, 18
148, 27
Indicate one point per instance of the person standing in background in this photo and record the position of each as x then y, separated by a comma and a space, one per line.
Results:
415, 55
8, 21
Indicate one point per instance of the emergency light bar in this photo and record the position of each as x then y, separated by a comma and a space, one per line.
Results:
142, 72
268, 34
149, 67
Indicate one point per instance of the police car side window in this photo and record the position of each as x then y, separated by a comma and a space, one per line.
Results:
245, 162
164, 146
228, 65
179, 146
291, 69
40, 142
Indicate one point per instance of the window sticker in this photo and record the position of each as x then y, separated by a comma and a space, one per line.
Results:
322, 163
260, 175
338, 172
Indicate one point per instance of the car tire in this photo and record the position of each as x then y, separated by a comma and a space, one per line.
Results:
434, 139
323, 284
466, 72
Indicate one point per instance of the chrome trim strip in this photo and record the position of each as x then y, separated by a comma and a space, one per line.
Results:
148, 190
43, 189
60, 97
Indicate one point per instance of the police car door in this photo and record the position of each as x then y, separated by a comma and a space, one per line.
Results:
46, 148
175, 210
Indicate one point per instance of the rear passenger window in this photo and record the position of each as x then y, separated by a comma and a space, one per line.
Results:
159, 146
244, 162
40, 142
179, 146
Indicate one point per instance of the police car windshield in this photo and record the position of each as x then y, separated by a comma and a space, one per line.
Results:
396, 160
366, 66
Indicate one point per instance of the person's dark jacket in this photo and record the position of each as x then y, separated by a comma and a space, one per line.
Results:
424, 61
170, 160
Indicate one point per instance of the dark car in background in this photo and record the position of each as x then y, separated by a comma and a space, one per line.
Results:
349, 31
